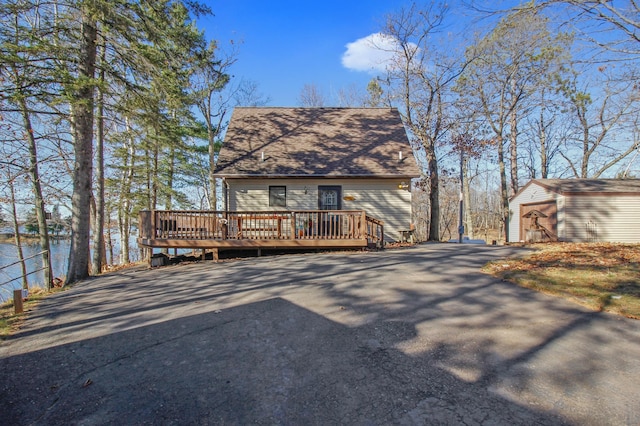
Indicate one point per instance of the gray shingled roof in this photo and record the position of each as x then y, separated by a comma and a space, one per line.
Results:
576, 186
316, 142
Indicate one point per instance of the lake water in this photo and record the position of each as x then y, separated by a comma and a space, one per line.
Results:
10, 277
9, 254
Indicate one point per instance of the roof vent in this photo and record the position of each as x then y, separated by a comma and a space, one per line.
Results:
262, 155
399, 155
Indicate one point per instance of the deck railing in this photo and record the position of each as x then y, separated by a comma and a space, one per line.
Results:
374, 231
260, 225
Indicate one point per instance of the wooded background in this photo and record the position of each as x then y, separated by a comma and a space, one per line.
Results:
108, 108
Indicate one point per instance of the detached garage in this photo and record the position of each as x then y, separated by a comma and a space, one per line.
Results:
576, 210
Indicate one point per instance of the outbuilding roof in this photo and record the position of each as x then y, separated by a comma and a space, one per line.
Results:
588, 186
316, 142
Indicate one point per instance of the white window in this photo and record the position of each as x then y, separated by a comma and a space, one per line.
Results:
277, 196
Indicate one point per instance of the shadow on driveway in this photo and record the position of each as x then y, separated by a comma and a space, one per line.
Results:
412, 336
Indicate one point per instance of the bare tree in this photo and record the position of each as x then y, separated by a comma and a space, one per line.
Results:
603, 127
209, 82
420, 80
247, 93
614, 26
507, 68
311, 96
350, 96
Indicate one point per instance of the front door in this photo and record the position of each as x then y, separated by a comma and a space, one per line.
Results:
329, 197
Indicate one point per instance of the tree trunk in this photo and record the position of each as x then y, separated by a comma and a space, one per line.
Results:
584, 168
82, 130
34, 174
504, 193
213, 197
434, 196
125, 226
16, 232
513, 147
544, 166
124, 207
108, 240
468, 218
147, 165
97, 261
581, 113
155, 171
170, 173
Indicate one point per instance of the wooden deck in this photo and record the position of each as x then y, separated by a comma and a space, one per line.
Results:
207, 229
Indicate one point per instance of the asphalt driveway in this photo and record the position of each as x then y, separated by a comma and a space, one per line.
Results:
408, 336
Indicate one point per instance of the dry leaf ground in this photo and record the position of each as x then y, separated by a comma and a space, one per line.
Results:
602, 276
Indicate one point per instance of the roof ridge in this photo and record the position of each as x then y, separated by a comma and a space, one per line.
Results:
316, 141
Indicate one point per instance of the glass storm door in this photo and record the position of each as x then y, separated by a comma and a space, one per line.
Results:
329, 197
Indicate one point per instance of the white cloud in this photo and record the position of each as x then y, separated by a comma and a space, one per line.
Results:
373, 53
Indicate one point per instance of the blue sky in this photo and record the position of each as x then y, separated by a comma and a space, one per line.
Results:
283, 45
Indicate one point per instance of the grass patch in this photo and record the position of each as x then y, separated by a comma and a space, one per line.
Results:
9, 320
601, 276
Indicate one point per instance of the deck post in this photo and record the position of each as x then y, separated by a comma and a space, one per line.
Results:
216, 255
154, 222
225, 225
17, 302
293, 225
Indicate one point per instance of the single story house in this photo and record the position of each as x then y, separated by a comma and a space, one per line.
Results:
276, 159
576, 210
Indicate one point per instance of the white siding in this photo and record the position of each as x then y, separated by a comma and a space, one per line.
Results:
582, 218
531, 194
380, 198
612, 218
562, 218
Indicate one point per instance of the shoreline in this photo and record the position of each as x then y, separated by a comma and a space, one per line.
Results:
28, 238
